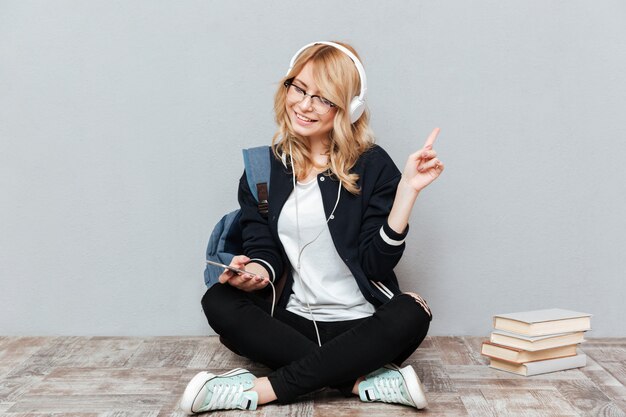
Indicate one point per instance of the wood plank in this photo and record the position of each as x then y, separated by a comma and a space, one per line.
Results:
424, 354
474, 345
101, 403
477, 406
164, 352
15, 350
553, 404
50, 354
101, 390
434, 376
5, 406
132, 377
504, 384
587, 398
32, 370
454, 351
483, 371
304, 407
171, 412
605, 353
224, 360
203, 354
440, 404
45, 414
444, 404
171, 405
112, 381
606, 341
527, 403
606, 382
617, 369
101, 352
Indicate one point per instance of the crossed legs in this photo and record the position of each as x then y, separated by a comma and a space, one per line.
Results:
287, 342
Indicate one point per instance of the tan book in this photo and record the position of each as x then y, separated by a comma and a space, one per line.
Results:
543, 322
516, 355
534, 343
541, 367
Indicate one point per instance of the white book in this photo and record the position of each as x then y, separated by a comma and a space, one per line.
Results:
533, 343
516, 355
540, 367
543, 322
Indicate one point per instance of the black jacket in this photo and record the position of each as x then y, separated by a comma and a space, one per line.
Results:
359, 228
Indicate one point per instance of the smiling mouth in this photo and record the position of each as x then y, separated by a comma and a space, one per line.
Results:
303, 118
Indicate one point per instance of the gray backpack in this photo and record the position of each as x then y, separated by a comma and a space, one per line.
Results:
225, 241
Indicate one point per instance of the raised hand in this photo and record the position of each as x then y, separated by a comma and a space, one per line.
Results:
423, 166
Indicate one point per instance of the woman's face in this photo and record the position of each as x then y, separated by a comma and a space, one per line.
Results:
304, 121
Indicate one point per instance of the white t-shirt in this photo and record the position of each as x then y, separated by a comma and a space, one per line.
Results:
329, 286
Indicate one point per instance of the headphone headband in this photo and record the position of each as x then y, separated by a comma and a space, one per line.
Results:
357, 105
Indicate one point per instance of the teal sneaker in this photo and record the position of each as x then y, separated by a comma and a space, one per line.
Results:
392, 384
208, 392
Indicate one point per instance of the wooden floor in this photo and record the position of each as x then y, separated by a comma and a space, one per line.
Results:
119, 377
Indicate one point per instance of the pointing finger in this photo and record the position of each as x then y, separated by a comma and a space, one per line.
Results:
431, 138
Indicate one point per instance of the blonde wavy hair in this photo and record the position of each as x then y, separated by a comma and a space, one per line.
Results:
338, 80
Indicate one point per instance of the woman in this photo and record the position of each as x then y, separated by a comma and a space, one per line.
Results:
337, 220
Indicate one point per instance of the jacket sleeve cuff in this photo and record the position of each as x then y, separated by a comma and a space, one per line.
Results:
267, 266
391, 237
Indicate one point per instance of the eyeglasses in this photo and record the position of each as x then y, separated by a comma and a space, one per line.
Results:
320, 105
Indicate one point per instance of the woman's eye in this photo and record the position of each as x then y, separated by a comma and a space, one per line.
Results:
298, 89
326, 102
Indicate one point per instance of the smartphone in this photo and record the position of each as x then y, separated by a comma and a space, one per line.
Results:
235, 270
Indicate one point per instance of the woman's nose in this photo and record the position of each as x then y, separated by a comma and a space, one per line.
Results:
306, 103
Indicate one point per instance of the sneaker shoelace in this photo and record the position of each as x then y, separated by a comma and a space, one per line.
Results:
390, 390
225, 397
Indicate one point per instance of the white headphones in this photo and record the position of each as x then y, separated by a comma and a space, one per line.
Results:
357, 105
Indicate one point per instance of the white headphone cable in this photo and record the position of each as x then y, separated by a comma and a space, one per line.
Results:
301, 249
273, 298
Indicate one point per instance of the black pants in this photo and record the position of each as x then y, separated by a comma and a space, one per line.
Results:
287, 342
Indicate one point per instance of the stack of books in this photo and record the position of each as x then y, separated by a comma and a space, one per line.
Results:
536, 342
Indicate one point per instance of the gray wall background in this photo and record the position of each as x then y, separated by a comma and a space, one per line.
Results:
121, 125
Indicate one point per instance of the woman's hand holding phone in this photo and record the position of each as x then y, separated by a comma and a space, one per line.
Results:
254, 278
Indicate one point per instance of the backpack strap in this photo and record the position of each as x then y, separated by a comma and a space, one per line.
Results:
257, 164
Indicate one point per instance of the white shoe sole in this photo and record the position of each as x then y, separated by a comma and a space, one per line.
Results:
194, 388
414, 386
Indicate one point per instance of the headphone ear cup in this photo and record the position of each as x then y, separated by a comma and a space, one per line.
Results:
357, 107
